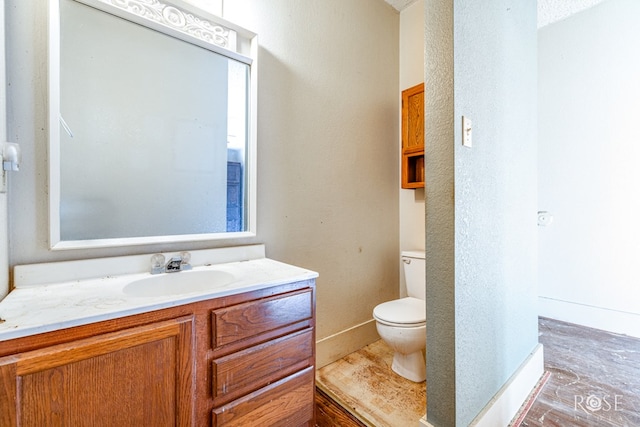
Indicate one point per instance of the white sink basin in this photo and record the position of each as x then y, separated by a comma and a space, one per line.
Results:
183, 282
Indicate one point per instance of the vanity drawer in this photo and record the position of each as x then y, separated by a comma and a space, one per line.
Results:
288, 402
247, 370
246, 320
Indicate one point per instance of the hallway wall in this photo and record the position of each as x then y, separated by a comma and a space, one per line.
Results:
589, 147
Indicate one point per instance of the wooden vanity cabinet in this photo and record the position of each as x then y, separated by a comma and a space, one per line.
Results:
138, 376
263, 361
240, 360
413, 137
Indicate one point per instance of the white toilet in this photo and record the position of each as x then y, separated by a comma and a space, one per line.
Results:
401, 323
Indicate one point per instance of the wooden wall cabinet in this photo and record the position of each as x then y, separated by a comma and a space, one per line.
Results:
239, 360
413, 137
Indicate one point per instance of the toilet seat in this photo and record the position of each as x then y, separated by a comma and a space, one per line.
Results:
404, 312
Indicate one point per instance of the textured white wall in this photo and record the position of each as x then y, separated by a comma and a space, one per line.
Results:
589, 99
550, 11
496, 197
481, 202
327, 145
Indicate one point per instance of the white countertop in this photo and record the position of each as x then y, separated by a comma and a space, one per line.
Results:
29, 310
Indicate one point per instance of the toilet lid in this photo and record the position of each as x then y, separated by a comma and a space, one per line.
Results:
405, 311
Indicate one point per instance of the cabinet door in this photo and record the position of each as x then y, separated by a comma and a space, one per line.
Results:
141, 376
413, 118
413, 137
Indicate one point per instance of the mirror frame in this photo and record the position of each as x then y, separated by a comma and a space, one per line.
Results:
247, 53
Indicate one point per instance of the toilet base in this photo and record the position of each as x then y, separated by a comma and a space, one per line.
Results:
410, 366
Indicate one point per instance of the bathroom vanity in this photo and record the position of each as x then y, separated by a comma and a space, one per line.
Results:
230, 342
240, 355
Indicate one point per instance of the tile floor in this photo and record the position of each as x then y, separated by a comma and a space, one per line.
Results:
364, 383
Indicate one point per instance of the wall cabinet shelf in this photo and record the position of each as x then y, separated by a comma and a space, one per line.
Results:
240, 360
413, 137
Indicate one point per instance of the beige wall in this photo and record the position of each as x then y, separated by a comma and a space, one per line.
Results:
328, 155
412, 229
328, 189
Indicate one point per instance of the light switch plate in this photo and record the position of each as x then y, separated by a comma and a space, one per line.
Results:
466, 132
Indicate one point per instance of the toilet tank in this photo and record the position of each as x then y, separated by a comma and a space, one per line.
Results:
414, 273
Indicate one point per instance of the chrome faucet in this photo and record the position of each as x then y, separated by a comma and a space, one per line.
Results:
174, 265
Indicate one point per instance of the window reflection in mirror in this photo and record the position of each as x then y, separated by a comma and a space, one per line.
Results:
153, 132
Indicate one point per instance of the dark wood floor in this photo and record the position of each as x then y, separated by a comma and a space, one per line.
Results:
594, 381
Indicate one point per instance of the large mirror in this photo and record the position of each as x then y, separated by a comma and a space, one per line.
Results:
152, 124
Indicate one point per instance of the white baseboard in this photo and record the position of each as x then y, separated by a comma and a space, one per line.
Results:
504, 406
336, 346
606, 319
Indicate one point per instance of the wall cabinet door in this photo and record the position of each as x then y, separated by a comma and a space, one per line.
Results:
413, 137
138, 376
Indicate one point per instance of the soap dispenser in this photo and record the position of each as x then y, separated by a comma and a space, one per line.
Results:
11, 158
